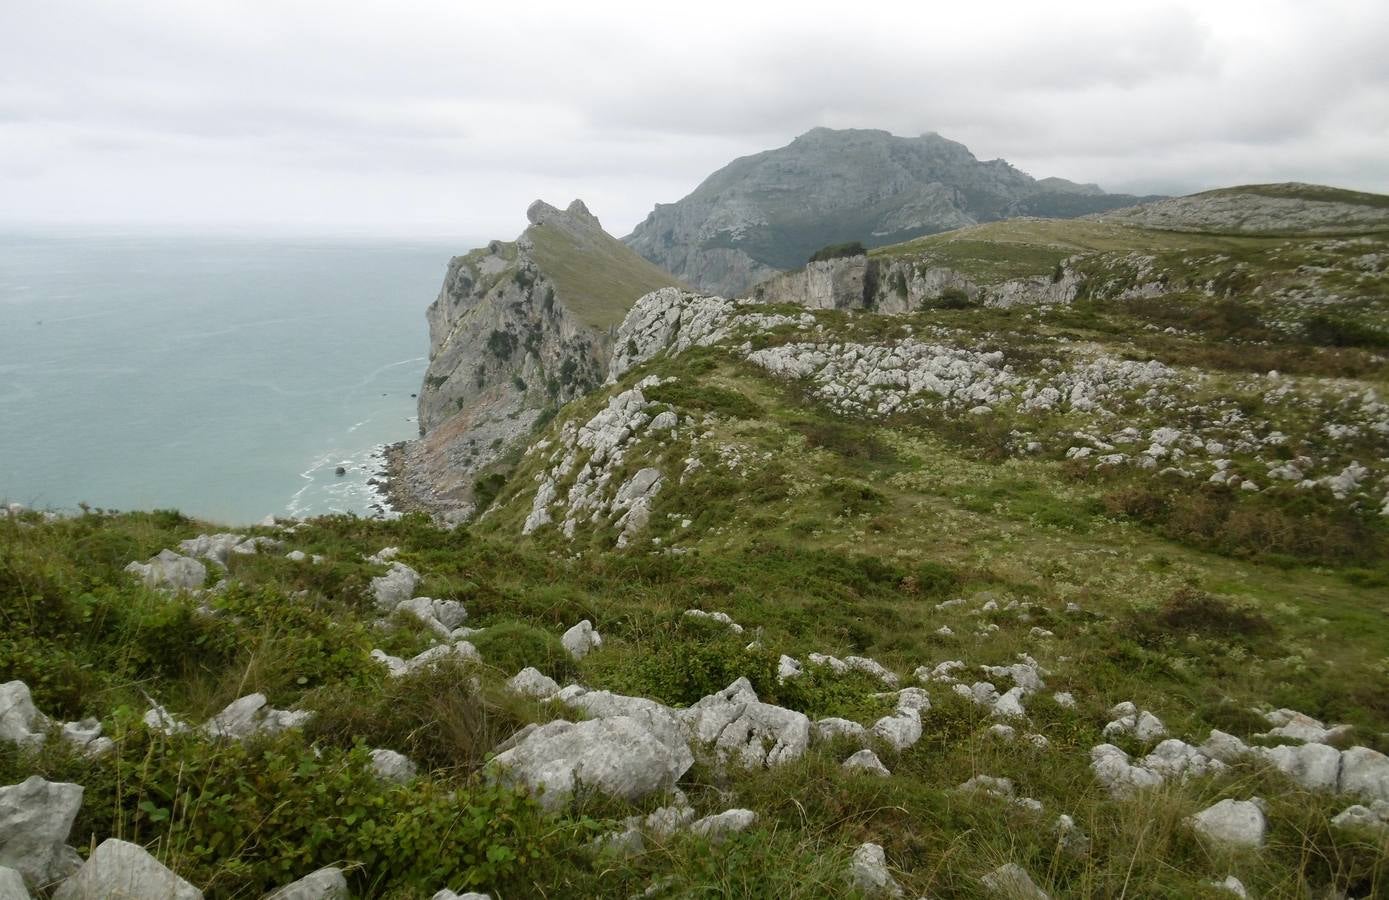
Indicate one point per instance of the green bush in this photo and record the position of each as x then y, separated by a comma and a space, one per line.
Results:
683, 667
839, 251
707, 397
512, 646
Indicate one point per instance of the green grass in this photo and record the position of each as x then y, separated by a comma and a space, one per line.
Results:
596, 276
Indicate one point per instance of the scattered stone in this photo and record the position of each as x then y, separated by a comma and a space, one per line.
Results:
866, 761
531, 682
1117, 774
395, 587
828, 729
721, 617
325, 884
168, 571
35, 818
392, 766
872, 667
618, 756
1289, 723
296, 556
250, 715
20, 721
787, 668
869, 873
581, 639
901, 730
1176, 759
1129, 720
1365, 772
213, 547
1069, 837
1238, 823
716, 827
988, 784
1009, 705
1002, 732
1012, 882
120, 869
836, 665
1315, 767
450, 895
157, 718
745, 730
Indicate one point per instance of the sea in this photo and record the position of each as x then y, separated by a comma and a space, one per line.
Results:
228, 377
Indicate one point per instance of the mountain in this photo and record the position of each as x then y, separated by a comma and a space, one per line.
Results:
518, 329
768, 212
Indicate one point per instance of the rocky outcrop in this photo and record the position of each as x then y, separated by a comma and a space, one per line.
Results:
120, 869
771, 211
518, 328
35, 818
1271, 209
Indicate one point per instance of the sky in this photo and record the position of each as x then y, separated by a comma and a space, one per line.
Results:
447, 117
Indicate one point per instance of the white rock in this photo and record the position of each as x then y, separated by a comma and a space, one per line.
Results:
787, 668
1009, 705
716, 827
325, 884
721, 617
828, 729
868, 872
531, 682
660, 720
1117, 774
866, 761
214, 547
298, 556
1064, 699
1365, 772
1012, 882
913, 698
618, 756
170, 572
1069, 837
836, 665
581, 639
1225, 747
392, 766
157, 718
1315, 767
12, 885
1177, 759
450, 895
1238, 823
1374, 817
1140, 723
1233, 885
35, 818
395, 587
384, 555
988, 784
1002, 732
250, 715
745, 730
872, 667
1289, 723
20, 721
118, 869
900, 730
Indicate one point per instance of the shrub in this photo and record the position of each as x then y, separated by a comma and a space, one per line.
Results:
683, 667
1189, 611
1330, 331
512, 646
839, 251
853, 498
501, 343
708, 397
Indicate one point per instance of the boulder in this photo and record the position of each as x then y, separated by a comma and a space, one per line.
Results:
868, 872
1235, 823
900, 730
1119, 776
35, 818
118, 869
170, 572
787, 667
618, 756
1365, 772
1012, 882
1173, 758
250, 715
450, 895
660, 720
1132, 721
531, 682
12, 885
20, 721
214, 547
325, 884
1314, 767
581, 639
395, 587
874, 668
743, 729
866, 761
1289, 723
1374, 817
716, 827
828, 729
392, 766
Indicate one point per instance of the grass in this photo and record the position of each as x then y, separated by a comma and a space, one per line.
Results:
596, 276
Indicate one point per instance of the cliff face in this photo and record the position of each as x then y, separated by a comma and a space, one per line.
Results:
768, 212
518, 329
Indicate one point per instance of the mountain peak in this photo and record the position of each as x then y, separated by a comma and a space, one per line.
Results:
577, 214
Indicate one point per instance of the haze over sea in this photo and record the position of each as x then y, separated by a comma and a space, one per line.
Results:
227, 377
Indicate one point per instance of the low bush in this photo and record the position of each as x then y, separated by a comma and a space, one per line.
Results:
839, 251
512, 646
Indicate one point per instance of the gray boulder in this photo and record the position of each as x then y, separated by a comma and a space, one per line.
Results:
869, 873
1315, 767
581, 639
1235, 823
866, 761
20, 721
531, 682
214, 547
901, 730
169, 571
35, 818
118, 870
450, 895
392, 766
719, 826
395, 587
325, 884
251, 715
744, 730
1012, 882
1365, 772
12, 885
618, 756
660, 720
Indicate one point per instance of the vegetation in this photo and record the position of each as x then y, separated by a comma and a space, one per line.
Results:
839, 251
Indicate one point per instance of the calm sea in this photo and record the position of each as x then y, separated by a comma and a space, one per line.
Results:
224, 377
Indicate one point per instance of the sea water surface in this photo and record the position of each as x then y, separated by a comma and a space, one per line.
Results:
227, 377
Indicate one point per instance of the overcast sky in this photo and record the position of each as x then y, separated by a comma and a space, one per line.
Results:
449, 117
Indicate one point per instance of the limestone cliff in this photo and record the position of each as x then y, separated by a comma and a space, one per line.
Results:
768, 212
518, 329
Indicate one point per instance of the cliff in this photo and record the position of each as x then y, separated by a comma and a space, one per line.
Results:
768, 212
518, 329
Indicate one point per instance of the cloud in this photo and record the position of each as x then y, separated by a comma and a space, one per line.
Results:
421, 116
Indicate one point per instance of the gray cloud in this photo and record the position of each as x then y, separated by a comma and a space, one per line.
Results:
439, 116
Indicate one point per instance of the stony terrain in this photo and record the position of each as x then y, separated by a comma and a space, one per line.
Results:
770, 211
927, 587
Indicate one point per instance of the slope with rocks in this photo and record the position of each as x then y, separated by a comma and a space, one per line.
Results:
770, 211
518, 328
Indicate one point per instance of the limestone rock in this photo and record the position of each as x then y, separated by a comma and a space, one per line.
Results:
216, 548
1374, 817
1314, 767
719, 826
828, 729
1012, 882
1237, 823
868, 872
901, 730
581, 639
392, 766
395, 587
618, 756
744, 730
35, 818
170, 572
1117, 774
118, 869
866, 761
722, 618
324, 884
251, 715
1365, 772
12, 885
1130, 720
20, 721
531, 682
662, 721
450, 895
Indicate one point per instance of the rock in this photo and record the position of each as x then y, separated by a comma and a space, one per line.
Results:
1140, 723
450, 895
618, 756
296, 556
440, 616
12, 885
901, 730
1119, 776
1002, 732
252, 546
170, 572
1009, 705
325, 884
581, 639
340, 470
1012, 882
872, 667
35, 818
1289, 723
828, 729
392, 766
531, 682
660, 720
667, 820
716, 827
1069, 837
20, 721
1237, 823
1233, 885
836, 665
744, 730
664, 421
720, 617
868, 872
395, 587
1365, 772
157, 718
866, 761
1225, 747
214, 547
1314, 767
1374, 817
1177, 759
384, 555
251, 715
988, 784
120, 869
913, 698
625, 844
787, 668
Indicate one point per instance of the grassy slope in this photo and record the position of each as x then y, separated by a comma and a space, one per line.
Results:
596, 275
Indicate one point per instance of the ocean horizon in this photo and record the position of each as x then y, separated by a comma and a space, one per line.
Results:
224, 375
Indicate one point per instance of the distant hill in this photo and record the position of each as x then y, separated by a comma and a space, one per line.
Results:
1268, 209
768, 212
